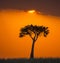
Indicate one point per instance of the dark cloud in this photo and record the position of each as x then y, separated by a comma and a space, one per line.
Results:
51, 7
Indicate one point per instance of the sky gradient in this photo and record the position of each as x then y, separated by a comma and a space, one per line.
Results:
11, 46
50, 7
14, 16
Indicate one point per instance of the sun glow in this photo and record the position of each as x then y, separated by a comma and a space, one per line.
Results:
31, 11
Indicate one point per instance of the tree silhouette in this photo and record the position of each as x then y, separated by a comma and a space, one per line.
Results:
33, 32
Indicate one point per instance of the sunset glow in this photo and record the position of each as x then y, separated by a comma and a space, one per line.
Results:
11, 46
31, 11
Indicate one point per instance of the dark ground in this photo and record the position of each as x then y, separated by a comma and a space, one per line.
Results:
41, 60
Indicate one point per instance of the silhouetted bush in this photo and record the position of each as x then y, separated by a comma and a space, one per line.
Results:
41, 60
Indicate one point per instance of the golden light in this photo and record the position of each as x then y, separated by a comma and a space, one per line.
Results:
31, 11
11, 46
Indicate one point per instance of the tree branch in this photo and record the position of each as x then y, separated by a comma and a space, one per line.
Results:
29, 31
36, 36
31, 36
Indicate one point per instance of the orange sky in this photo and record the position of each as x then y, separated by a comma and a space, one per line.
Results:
11, 46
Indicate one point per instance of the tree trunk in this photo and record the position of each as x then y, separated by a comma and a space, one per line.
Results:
32, 50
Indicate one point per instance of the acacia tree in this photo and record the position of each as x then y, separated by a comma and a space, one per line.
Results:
33, 32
